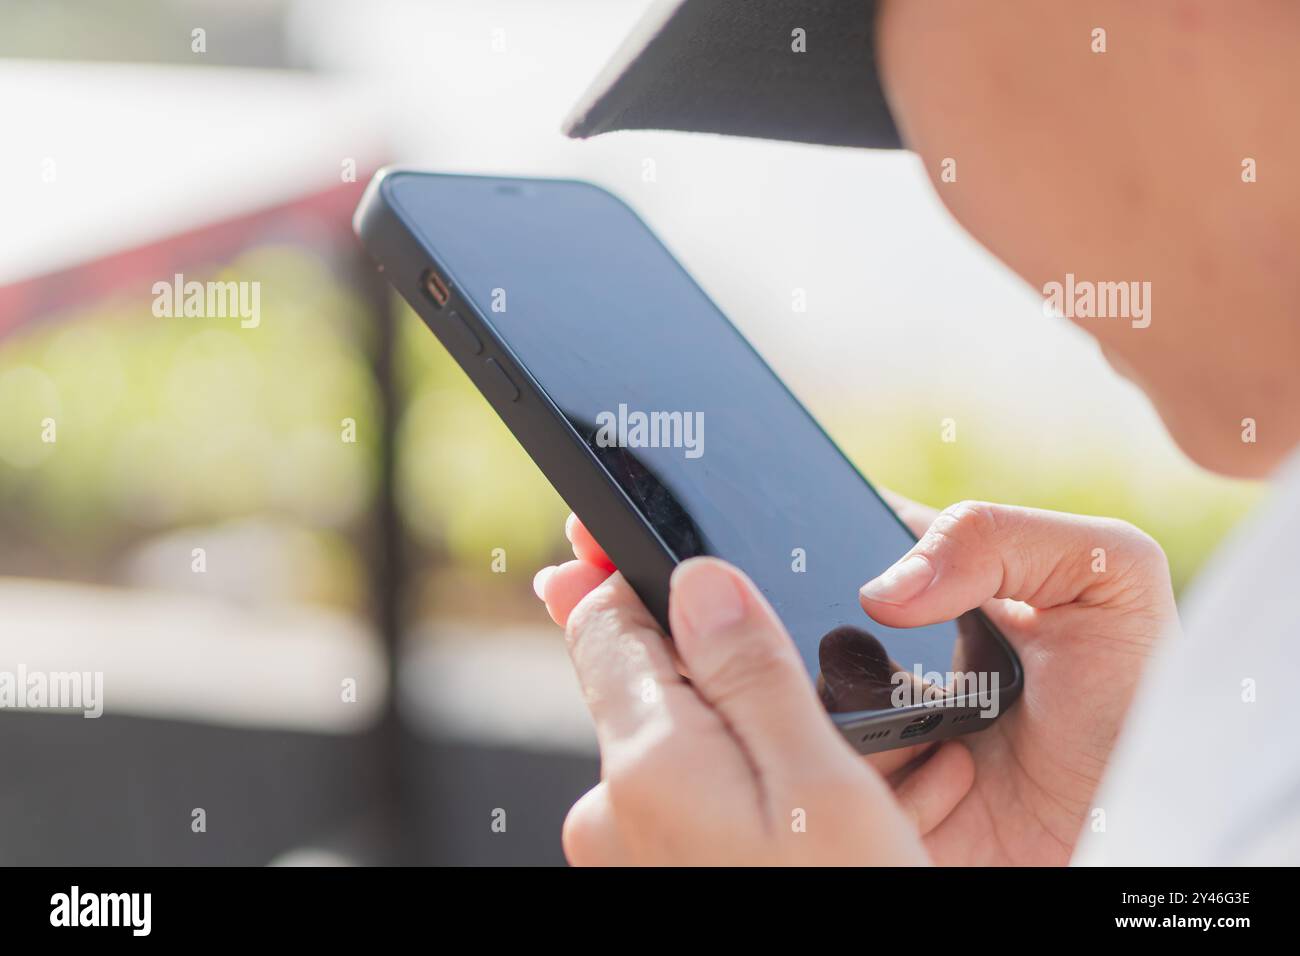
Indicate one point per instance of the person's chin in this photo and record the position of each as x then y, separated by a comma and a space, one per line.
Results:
1221, 445
1118, 363
1208, 434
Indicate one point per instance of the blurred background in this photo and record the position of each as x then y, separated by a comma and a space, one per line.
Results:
304, 626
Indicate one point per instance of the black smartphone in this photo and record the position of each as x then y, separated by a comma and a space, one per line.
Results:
670, 437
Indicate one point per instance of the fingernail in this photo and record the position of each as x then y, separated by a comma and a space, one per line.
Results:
568, 526
902, 582
707, 596
539, 582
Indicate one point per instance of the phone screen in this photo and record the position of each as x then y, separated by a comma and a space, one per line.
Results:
700, 434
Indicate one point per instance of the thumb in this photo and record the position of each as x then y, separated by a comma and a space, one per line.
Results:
744, 665
974, 551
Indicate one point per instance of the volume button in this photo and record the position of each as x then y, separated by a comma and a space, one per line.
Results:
460, 328
499, 382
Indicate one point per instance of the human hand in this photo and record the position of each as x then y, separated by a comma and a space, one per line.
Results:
741, 765
1083, 601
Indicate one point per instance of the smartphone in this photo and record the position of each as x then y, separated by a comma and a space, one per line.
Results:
670, 437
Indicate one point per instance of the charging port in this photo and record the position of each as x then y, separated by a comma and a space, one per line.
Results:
435, 288
922, 725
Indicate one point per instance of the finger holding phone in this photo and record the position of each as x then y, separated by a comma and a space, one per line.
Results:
1082, 628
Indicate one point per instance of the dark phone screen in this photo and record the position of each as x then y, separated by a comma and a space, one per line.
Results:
699, 432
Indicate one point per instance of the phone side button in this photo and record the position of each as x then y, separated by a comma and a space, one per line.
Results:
498, 382
460, 328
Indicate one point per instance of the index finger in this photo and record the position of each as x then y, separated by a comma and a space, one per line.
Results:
585, 547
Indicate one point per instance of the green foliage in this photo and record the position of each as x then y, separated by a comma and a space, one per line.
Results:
160, 422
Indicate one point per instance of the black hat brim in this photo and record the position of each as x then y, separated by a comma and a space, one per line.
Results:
732, 67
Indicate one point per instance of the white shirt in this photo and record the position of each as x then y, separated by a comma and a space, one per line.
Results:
1207, 769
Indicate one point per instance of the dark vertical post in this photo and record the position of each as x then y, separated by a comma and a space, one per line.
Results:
387, 567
